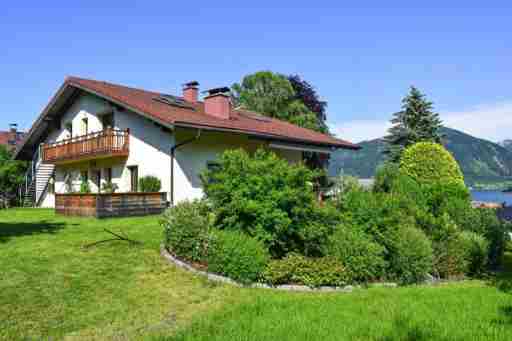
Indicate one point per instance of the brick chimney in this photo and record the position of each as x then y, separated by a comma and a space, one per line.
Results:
13, 134
190, 91
218, 103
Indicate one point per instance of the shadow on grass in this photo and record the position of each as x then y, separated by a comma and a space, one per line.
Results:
13, 230
404, 329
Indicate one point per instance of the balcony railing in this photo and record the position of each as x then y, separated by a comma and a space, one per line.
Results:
105, 143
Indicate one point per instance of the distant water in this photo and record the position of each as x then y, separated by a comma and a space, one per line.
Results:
492, 196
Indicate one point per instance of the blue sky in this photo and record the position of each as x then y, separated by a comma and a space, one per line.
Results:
361, 57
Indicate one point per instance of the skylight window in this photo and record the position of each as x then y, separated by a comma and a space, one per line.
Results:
174, 101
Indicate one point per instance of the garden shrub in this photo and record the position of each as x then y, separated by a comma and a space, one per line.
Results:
428, 162
313, 272
236, 255
362, 257
150, 183
186, 227
410, 255
450, 250
269, 199
385, 177
476, 252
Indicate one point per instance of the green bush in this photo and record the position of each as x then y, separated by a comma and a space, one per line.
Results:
150, 183
477, 252
428, 163
84, 186
313, 272
269, 199
385, 177
410, 255
186, 227
363, 258
237, 256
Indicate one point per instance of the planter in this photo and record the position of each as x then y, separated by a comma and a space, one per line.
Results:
104, 205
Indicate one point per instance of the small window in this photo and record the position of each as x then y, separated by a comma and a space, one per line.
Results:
107, 121
85, 126
134, 178
108, 174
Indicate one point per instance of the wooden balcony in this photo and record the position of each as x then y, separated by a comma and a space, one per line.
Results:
102, 144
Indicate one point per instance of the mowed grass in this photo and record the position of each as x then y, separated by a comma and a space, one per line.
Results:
50, 286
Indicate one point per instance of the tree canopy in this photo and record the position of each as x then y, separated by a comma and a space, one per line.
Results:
11, 176
288, 98
416, 122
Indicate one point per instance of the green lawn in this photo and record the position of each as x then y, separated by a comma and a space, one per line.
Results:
51, 286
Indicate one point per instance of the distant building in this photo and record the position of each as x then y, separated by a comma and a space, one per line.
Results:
12, 137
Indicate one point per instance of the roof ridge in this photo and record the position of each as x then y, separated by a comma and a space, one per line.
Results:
74, 78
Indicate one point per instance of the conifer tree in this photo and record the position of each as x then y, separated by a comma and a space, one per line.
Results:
416, 122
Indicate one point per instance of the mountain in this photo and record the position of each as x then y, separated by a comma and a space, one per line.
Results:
507, 144
485, 164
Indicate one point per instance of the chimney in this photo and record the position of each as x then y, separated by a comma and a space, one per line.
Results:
190, 91
218, 103
13, 133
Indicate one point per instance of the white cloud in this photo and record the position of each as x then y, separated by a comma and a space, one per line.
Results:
491, 122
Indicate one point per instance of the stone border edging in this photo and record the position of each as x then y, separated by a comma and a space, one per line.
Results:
222, 279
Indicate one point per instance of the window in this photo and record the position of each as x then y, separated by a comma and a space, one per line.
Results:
85, 126
108, 174
212, 167
69, 128
107, 121
134, 178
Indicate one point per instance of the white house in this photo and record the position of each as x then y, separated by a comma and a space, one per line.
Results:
102, 132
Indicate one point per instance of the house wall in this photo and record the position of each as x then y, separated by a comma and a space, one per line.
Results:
150, 151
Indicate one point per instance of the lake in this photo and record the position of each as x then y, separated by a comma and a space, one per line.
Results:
492, 196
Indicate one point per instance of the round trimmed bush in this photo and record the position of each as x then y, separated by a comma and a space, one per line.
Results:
363, 258
428, 163
410, 256
186, 228
236, 255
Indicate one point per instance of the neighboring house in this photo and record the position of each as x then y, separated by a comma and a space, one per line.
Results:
11, 138
104, 132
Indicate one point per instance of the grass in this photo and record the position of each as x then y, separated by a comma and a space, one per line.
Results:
50, 286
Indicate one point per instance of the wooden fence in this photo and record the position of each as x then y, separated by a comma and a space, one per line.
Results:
111, 205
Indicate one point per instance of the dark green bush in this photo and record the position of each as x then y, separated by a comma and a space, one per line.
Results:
428, 163
313, 272
477, 252
186, 227
269, 199
150, 183
363, 258
410, 255
237, 256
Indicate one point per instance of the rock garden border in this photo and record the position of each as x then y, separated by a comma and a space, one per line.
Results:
286, 287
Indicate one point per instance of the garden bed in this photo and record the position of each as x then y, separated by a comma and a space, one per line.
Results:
102, 205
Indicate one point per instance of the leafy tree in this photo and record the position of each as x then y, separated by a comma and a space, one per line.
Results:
286, 98
11, 176
416, 122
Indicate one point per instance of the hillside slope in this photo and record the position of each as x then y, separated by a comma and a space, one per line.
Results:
482, 161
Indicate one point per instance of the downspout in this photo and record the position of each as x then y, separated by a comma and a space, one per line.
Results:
173, 152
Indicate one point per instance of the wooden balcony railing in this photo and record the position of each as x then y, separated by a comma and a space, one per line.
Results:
105, 143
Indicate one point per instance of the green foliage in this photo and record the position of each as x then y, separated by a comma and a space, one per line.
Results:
150, 183
84, 186
11, 176
342, 186
237, 256
429, 163
416, 122
275, 95
186, 227
363, 258
410, 255
313, 272
109, 187
476, 251
269, 199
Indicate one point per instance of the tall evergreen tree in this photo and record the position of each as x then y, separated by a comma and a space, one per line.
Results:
416, 122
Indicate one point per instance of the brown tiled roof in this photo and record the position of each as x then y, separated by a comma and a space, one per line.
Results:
142, 101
